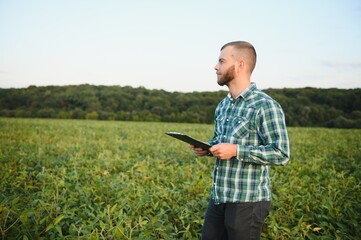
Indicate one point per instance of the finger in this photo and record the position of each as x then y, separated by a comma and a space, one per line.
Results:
215, 148
214, 151
201, 152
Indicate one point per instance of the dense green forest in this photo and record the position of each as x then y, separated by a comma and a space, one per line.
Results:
337, 108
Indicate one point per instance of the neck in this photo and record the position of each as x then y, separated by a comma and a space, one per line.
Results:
236, 87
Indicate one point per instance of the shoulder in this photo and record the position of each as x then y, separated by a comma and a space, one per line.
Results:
261, 100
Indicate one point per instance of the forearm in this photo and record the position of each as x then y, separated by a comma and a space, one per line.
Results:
269, 154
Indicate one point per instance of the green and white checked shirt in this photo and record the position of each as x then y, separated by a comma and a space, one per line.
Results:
256, 123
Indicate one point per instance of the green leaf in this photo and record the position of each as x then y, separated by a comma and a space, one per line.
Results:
58, 219
49, 227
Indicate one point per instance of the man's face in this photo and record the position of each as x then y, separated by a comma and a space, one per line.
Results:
225, 68
227, 77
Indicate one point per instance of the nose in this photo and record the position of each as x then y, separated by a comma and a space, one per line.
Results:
216, 67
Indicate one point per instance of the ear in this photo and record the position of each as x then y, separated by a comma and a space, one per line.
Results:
240, 66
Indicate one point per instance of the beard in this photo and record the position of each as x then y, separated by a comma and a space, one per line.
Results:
227, 77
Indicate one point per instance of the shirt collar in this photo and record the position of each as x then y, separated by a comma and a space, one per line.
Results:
245, 94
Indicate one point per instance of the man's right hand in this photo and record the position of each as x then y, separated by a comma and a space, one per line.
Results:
198, 151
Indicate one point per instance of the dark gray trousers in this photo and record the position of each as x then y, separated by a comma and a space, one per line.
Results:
235, 221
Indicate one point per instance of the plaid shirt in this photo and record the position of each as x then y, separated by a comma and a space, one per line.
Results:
256, 123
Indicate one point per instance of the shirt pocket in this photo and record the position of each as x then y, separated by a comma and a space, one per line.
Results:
240, 128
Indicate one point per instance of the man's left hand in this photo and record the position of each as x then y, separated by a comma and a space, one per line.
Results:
224, 151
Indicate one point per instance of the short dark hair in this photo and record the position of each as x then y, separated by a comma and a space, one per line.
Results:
246, 50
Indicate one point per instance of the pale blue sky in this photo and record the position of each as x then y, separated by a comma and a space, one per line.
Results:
174, 45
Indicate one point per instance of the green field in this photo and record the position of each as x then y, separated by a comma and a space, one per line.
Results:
78, 179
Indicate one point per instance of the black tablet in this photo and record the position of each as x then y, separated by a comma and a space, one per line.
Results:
190, 140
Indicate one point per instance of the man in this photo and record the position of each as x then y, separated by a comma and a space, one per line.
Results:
250, 134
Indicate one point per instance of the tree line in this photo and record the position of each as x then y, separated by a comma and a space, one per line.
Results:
312, 107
